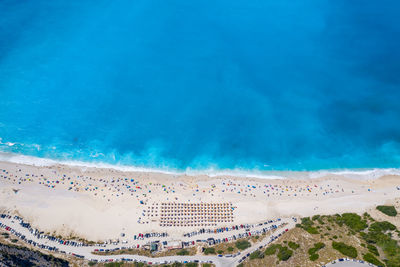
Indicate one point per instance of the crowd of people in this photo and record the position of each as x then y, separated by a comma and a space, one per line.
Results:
113, 187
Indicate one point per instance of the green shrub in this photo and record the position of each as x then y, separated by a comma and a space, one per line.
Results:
314, 257
114, 264
338, 220
382, 226
306, 221
354, 221
271, 250
313, 251
284, 253
317, 246
388, 210
191, 264
220, 252
315, 217
312, 230
376, 235
209, 251
182, 252
371, 259
368, 217
307, 224
230, 249
243, 244
256, 255
346, 250
373, 249
5, 235
391, 250
293, 245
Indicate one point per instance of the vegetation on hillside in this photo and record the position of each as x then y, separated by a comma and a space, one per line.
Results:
307, 224
242, 244
293, 245
284, 253
372, 259
313, 252
209, 251
256, 255
354, 221
322, 238
346, 250
182, 252
388, 210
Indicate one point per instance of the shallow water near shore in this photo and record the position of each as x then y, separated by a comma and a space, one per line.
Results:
359, 174
199, 87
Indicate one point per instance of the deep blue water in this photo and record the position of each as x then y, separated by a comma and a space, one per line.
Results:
259, 84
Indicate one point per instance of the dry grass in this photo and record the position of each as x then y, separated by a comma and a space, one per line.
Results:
224, 246
142, 252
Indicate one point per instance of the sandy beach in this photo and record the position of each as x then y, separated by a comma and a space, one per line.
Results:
99, 203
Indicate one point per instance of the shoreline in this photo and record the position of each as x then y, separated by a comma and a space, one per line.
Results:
357, 173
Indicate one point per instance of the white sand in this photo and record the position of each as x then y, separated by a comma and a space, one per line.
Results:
102, 203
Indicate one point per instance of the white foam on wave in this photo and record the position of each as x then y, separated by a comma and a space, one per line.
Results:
212, 172
28, 160
45, 162
367, 173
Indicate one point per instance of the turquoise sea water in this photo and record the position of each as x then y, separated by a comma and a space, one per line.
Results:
266, 85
